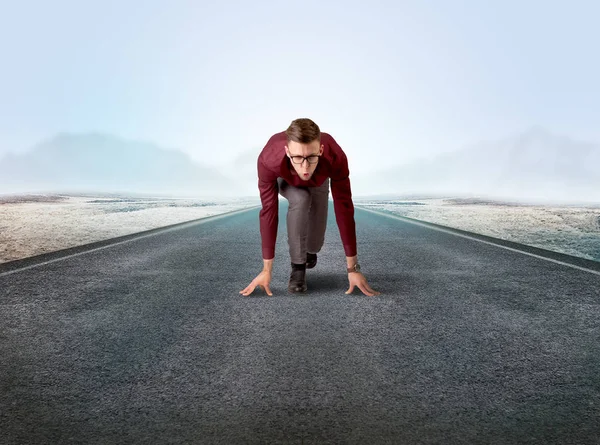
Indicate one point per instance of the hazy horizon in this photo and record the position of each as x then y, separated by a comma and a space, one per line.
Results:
535, 166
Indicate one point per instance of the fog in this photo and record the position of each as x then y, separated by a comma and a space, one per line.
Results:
533, 166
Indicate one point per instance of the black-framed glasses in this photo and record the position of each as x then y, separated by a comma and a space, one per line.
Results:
312, 159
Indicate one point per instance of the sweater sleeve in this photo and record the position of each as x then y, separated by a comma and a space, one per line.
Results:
342, 200
269, 214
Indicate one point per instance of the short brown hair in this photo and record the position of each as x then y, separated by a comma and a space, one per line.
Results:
303, 131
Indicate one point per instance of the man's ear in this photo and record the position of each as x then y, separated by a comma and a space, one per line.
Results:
322, 149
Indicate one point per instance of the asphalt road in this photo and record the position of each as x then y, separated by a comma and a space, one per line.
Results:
146, 339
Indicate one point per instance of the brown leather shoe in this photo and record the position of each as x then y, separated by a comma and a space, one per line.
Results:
298, 278
311, 260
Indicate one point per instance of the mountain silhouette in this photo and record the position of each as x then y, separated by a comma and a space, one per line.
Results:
96, 162
533, 165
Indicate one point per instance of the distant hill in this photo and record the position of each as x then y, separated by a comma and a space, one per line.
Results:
96, 162
535, 165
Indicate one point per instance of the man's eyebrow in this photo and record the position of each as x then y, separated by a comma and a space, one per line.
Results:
312, 154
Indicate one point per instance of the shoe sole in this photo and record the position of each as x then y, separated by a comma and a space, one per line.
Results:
297, 290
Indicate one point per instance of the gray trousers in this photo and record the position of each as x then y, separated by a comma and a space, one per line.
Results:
306, 218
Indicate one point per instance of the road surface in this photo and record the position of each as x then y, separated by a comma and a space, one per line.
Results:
146, 339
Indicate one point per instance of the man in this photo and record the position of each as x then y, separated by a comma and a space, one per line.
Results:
299, 163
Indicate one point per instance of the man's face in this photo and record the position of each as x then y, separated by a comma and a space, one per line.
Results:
305, 170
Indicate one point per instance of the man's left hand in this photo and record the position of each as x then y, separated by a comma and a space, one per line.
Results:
358, 279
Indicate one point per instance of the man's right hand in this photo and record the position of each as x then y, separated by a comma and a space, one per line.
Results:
262, 280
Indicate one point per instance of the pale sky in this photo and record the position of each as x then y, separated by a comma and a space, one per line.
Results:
391, 81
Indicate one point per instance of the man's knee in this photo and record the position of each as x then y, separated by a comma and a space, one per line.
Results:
299, 199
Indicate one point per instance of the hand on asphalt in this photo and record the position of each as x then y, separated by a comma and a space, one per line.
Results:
357, 279
262, 281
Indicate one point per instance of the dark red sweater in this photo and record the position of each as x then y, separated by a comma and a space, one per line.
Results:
273, 163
